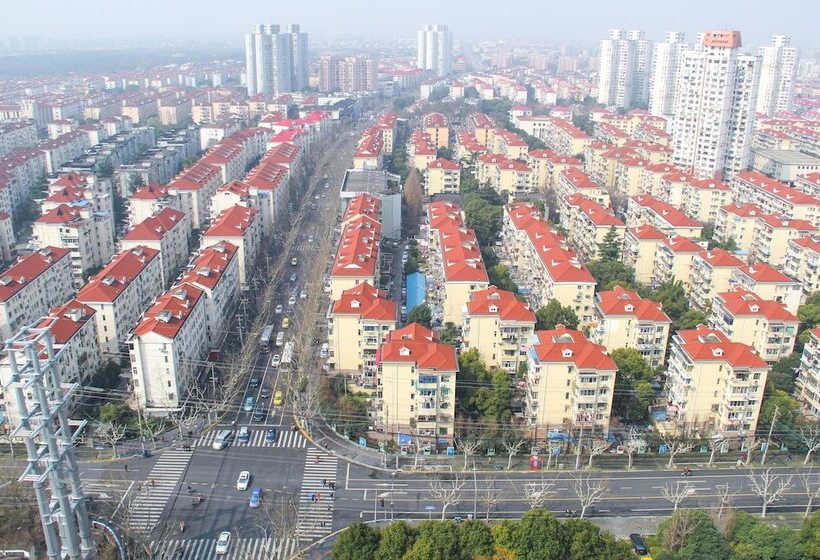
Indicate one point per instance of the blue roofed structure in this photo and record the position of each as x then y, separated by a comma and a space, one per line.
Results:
416, 290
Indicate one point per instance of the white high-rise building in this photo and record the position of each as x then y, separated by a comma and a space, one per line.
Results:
666, 62
276, 61
714, 107
778, 63
435, 49
623, 76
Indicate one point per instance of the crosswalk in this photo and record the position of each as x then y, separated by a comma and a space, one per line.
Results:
146, 509
240, 549
284, 438
316, 515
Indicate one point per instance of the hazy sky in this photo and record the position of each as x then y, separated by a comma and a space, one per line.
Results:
578, 21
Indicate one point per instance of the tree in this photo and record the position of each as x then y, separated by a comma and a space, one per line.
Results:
811, 486
676, 492
753, 540
554, 314
413, 199
357, 542
725, 494
536, 493
421, 314
450, 334
676, 446
589, 491
135, 182
445, 153
810, 537
475, 539
396, 539
117, 413
596, 447
540, 537
468, 447
631, 445
490, 498
609, 273
690, 534
783, 374
112, 434
689, 320
499, 276
483, 213
438, 540
105, 170
446, 492
810, 436
633, 390
588, 542
609, 250
769, 487
512, 448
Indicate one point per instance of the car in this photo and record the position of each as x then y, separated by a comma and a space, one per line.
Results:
278, 309
270, 435
278, 398
639, 544
294, 261
275, 360
256, 497
327, 185
222, 439
316, 197
303, 294
243, 480
291, 301
244, 435
293, 277
247, 406
285, 323
223, 543
310, 239
254, 382
265, 392
259, 415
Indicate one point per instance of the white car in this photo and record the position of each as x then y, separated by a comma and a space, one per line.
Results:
275, 360
303, 295
278, 309
243, 480
291, 301
223, 543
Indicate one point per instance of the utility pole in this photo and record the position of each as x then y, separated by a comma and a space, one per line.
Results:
43, 425
578, 447
769, 437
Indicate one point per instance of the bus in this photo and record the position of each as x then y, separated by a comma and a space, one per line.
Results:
264, 339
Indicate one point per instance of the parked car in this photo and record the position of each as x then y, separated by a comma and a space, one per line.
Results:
223, 543
275, 360
259, 415
293, 277
639, 544
291, 301
285, 323
254, 382
247, 406
278, 310
270, 435
244, 434
278, 398
265, 393
243, 480
303, 294
256, 497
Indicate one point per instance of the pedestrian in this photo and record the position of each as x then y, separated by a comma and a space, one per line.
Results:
189, 489
324, 482
331, 495
151, 481
318, 496
125, 466
333, 486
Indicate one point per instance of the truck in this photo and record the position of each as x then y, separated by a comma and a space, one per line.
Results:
265, 337
287, 354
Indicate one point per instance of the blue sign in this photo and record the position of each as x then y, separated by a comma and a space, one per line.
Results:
663, 448
405, 439
362, 442
451, 451
430, 508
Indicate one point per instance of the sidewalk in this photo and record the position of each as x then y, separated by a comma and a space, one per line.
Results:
323, 436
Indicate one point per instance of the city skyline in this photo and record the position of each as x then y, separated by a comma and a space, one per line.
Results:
542, 22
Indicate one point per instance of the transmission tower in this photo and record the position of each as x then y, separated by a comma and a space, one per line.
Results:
43, 425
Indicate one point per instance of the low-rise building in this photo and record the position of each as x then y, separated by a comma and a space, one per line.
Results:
417, 385
769, 283
168, 231
640, 251
673, 261
772, 235
588, 224
624, 320
570, 382
499, 326
737, 222
802, 263
437, 128
702, 199
120, 293
646, 209
574, 181
763, 324
149, 200
713, 384
808, 376
442, 176
195, 187
774, 197
240, 227
712, 272
357, 257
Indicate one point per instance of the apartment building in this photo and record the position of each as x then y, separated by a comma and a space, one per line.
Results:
499, 326
666, 63
570, 382
33, 285
646, 209
267, 190
417, 384
357, 257
168, 231
625, 63
148, 200
195, 187
778, 66
442, 176
538, 162
120, 293
772, 235
765, 325
85, 233
713, 383
437, 128
588, 223
557, 164
509, 144
239, 226
574, 181
774, 197
214, 270
421, 150
769, 283
801, 263
737, 222
629, 176
712, 272
565, 138
703, 198
808, 376
673, 261
809, 184
357, 323
640, 250
481, 125
625, 320
503, 174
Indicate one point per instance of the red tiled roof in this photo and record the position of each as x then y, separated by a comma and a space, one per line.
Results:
209, 265
62, 214
418, 345
596, 213
443, 163
776, 188
785, 222
762, 272
168, 314
744, 302
579, 179
443, 213
155, 227
358, 248
705, 344
65, 321
503, 303
680, 244
434, 120
620, 301
151, 192
27, 268
748, 210
461, 255
232, 222
194, 178
721, 258
367, 302
666, 211
563, 345
646, 231
117, 275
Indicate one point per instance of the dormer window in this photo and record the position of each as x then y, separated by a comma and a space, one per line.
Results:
629, 308
404, 351
566, 353
717, 352
493, 309
355, 304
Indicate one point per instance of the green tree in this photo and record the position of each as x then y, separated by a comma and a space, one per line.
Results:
420, 314
442, 536
483, 212
610, 247
135, 182
475, 539
633, 372
672, 296
40, 187
690, 534
689, 320
554, 314
608, 273
450, 334
541, 537
506, 534
117, 413
783, 374
438, 94
446, 153
588, 542
810, 537
357, 542
105, 170
396, 539
784, 403
499, 276
753, 540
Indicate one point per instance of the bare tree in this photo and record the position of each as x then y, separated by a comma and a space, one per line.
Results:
810, 436
725, 494
536, 493
631, 446
715, 443
446, 492
589, 491
811, 486
675, 446
681, 526
751, 445
468, 447
280, 519
112, 434
676, 492
596, 447
512, 447
769, 487
490, 498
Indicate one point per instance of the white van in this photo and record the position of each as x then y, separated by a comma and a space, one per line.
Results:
324, 350
223, 437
